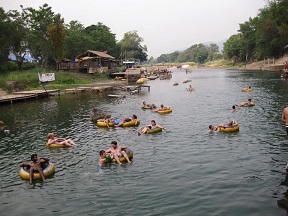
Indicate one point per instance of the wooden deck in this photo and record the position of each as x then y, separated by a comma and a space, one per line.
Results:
88, 88
11, 98
38, 92
25, 95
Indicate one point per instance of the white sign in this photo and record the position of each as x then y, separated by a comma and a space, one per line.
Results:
46, 77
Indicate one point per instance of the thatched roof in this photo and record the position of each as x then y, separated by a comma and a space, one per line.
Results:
90, 54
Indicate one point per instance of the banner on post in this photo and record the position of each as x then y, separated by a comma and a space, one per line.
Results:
47, 77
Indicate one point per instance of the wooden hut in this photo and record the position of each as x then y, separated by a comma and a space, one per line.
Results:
67, 65
94, 61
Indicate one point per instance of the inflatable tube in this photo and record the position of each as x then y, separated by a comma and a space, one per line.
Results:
131, 123
49, 169
141, 80
122, 159
164, 111
103, 124
247, 90
230, 129
155, 130
55, 145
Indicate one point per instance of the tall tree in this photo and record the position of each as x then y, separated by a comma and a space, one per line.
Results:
18, 37
38, 39
248, 33
56, 34
131, 46
76, 40
234, 49
101, 38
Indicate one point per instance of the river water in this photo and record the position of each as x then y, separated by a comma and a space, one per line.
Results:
181, 171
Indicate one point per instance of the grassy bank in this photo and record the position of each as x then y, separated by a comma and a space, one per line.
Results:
28, 80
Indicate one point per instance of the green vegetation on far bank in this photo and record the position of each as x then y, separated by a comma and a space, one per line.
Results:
219, 63
28, 80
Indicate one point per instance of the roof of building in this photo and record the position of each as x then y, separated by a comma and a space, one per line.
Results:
91, 54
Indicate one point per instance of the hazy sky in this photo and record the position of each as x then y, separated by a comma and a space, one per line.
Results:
165, 25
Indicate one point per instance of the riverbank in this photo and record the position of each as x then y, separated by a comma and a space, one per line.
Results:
28, 80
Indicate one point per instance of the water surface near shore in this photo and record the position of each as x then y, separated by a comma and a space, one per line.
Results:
181, 171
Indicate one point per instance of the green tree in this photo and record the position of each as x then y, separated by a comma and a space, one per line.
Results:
213, 49
39, 42
56, 34
233, 48
248, 33
202, 53
101, 38
76, 40
131, 46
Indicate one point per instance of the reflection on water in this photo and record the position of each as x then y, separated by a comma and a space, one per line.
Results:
181, 170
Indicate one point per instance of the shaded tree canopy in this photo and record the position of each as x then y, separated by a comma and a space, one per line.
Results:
264, 36
131, 46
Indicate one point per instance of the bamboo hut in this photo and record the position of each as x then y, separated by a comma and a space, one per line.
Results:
67, 65
94, 61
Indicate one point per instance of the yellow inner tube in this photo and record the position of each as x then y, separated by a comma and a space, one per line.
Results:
230, 129
131, 123
141, 80
55, 145
49, 170
155, 130
164, 111
103, 124
122, 159
247, 90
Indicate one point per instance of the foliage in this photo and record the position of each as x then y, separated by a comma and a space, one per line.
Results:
196, 53
29, 79
233, 48
56, 35
101, 38
131, 47
263, 36
39, 42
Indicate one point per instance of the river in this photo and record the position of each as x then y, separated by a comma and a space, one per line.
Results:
183, 170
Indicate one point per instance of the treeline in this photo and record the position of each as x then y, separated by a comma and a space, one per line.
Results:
198, 53
264, 36
47, 38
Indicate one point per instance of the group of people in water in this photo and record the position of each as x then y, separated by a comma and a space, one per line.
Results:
233, 123
115, 152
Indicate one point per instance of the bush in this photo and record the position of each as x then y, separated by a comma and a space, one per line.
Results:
8, 66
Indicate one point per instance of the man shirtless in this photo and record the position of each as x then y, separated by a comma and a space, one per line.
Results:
285, 118
59, 141
134, 117
104, 157
152, 126
118, 151
35, 165
162, 107
248, 103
